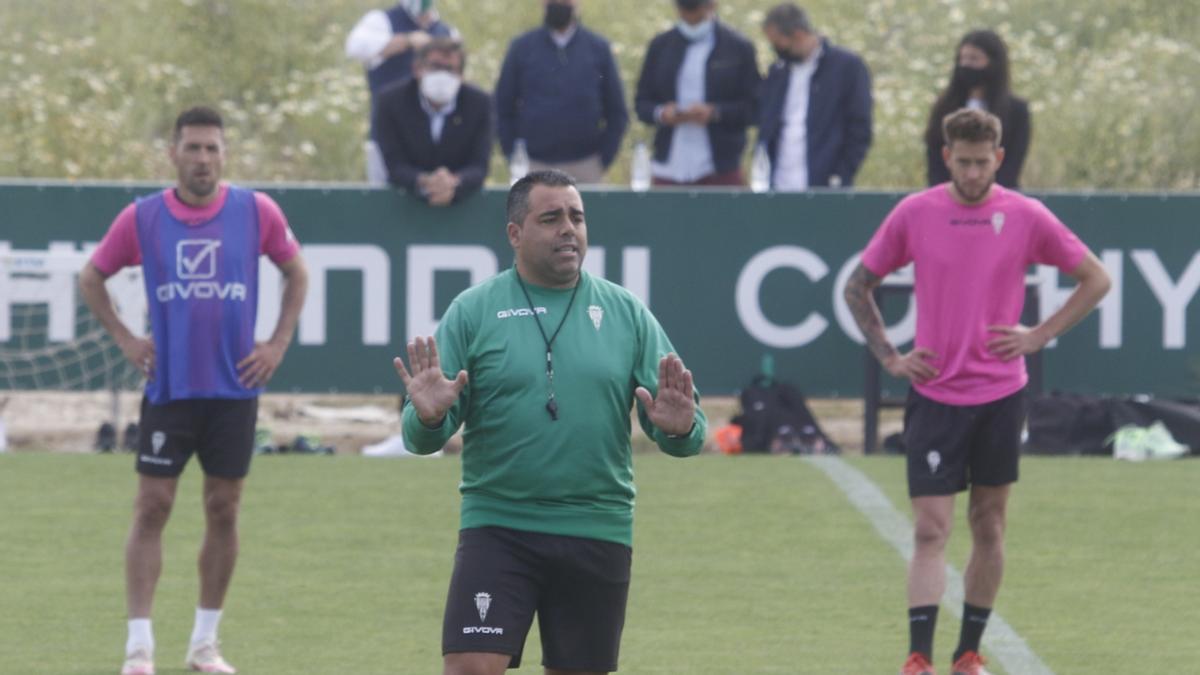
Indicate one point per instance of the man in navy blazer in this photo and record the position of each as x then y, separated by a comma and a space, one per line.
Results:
435, 132
815, 106
698, 87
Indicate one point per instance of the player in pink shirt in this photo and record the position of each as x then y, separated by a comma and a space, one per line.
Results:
971, 242
198, 244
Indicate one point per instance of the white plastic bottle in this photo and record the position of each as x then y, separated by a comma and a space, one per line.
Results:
760, 170
639, 173
518, 164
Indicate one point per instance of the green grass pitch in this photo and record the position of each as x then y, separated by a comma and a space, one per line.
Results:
741, 565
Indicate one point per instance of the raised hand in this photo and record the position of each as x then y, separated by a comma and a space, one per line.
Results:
431, 393
674, 410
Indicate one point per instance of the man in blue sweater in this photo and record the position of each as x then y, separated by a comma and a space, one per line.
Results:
560, 95
815, 107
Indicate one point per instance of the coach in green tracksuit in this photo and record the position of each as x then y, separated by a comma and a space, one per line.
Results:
541, 365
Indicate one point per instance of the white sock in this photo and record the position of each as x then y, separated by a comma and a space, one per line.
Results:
141, 636
205, 629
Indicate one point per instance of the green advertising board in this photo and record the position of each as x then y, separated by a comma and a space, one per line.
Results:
731, 276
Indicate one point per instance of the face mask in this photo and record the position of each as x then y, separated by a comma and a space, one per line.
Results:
969, 78
786, 56
440, 87
559, 16
699, 31
689, 4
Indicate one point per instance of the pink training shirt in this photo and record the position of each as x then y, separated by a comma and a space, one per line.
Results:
970, 264
120, 247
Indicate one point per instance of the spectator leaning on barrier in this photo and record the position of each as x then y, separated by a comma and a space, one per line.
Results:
698, 86
980, 80
434, 131
385, 41
560, 93
815, 106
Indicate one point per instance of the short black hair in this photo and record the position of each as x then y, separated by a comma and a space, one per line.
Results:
198, 116
788, 18
443, 45
518, 194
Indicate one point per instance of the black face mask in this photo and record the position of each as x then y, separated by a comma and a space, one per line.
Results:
558, 15
689, 4
786, 56
969, 78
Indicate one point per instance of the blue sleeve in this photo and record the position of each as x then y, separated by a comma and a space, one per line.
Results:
741, 109
616, 117
505, 99
472, 175
386, 128
646, 99
858, 123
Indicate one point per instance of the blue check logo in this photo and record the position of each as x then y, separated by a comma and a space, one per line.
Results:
196, 258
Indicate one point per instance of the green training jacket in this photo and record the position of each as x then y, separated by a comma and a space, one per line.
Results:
522, 470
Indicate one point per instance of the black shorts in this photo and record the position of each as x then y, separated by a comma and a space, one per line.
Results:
577, 587
952, 446
219, 430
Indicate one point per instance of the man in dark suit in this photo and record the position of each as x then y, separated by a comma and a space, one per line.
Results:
698, 87
435, 132
815, 106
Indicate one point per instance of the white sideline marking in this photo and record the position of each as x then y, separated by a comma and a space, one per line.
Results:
1001, 640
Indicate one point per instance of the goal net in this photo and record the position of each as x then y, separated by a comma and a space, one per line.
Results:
49, 340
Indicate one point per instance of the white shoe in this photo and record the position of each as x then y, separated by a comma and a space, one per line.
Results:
206, 658
138, 662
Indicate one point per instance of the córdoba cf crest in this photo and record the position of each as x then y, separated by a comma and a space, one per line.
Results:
596, 313
935, 460
482, 602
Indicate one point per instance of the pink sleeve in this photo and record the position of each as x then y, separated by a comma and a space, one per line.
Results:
888, 249
1054, 243
275, 237
120, 247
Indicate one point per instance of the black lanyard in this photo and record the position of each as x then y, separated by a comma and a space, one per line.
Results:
551, 403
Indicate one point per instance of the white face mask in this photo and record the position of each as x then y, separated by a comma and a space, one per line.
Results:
440, 87
697, 32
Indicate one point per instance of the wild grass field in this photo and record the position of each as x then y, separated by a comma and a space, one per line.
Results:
90, 88
744, 565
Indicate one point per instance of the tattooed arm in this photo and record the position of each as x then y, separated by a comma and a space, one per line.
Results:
860, 298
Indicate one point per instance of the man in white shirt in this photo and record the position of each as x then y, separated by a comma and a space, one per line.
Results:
815, 106
698, 87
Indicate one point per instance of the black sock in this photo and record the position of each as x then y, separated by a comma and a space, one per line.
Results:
974, 621
921, 622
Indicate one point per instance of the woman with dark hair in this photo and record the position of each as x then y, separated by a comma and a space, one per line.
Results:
980, 80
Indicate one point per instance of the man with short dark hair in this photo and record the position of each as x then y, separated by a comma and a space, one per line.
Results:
541, 365
385, 42
199, 244
559, 94
971, 242
698, 87
815, 107
435, 132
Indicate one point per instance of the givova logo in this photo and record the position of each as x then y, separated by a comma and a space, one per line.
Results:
483, 602
196, 266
